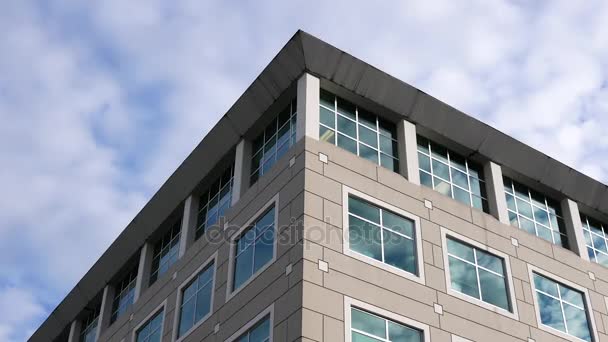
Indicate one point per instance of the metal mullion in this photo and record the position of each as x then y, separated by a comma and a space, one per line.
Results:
386, 330
378, 141
381, 236
368, 334
477, 273
466, 166
450, 174
561, 304
431, 165
516, 206
381, 226
357, 140
474, 264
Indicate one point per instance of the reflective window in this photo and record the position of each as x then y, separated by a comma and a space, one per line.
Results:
151, 331
196, 300
382, 235
534, 213
254, 248
596, 240
258, 333
451, 174
125, 291
358, 131
89, 327
367, 327
562, 308
272, 144
214, 202
478, 274
166, 251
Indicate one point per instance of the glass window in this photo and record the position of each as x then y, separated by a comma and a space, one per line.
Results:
451, 174
215, 201
367, 327
151, 330
478, 274
382, 235
260, 332
272, 144
596, 240
534, 213
196, 300
125, 290
89, 327
358, 131
562, 308
254, 248
166, 251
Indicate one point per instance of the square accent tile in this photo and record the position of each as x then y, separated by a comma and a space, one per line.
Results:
514, 242
428, 204
323, 266
323, 158
438, 309
292, 161
288, 269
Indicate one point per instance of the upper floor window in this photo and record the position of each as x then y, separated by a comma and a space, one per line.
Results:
125, 291
534, 213
260, 332
254, 248
272, 144
166, 251
477, 274
451, 174
358, 131
382, 235
369, 327
89, 327
152, 329
215, 201
562, 308
196, 300
596, 240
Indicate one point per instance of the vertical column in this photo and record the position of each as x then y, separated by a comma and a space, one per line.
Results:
242, 170
496, 192
106, 310
143, 270
408, 154
308, 107
189, 221
75, 331
574, 228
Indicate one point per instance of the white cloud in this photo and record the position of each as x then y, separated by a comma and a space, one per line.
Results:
100, 101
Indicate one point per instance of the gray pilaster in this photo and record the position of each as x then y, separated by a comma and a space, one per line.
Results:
242, 170
106, 309
308, 107
574, 228
143, 270
496, 192
189, 220
75, 331
408, 153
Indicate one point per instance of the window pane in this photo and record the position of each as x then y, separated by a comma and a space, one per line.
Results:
439, 152
368, 119
461, 250
368, 136
524, 208
462, 196
368, 153
263, 250
397, 223
186, 320
442, 187
347, 143
576, 321
544, 232
364, 238
203, 302
460, 179
550, 312
399, 252
389, 163
326, 134
388, 145
401, 333
571, 296
347, 127
426, 179
368, 323
527, 225
541, 216
511, 202
327, 117
490, 262
441, 170
260, 332
424, 162
357, 337
346, 108
543, 284
363, 209
599, 242
243, 267
464, 277
493, 289
327, 99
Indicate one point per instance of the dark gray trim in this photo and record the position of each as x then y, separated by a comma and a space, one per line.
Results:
304, 52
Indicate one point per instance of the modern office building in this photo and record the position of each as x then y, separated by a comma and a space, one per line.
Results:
334, 203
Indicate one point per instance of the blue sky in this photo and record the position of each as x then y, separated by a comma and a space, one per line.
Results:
101, 100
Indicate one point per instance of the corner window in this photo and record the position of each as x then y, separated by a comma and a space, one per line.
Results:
125, 291
358, 131
89, 327
535, 213
166, 252
214, 202
366, 327
477, 274
260, 332
196, 300
151, 331
382, 235
272, 144
562, 308
596, 240
254, 248
451, 174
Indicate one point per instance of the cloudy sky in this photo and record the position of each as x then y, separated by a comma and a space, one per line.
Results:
101, 100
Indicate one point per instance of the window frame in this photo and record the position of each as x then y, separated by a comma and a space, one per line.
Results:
588, 308
350, 303
176, 224
586, 230
274, 201
420, 277
96, 313
163, 307
445, 234
201, 227
114, 314
177, 315
269, 311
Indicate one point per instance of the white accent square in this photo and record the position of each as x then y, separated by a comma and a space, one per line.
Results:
438, 308
174, 276
456, 338
292, 161
531, 340
323, 266
323, 158
288, 269
592, 275
514, 242
216, 329
428, 204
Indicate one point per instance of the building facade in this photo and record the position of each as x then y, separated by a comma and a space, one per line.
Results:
333, 203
